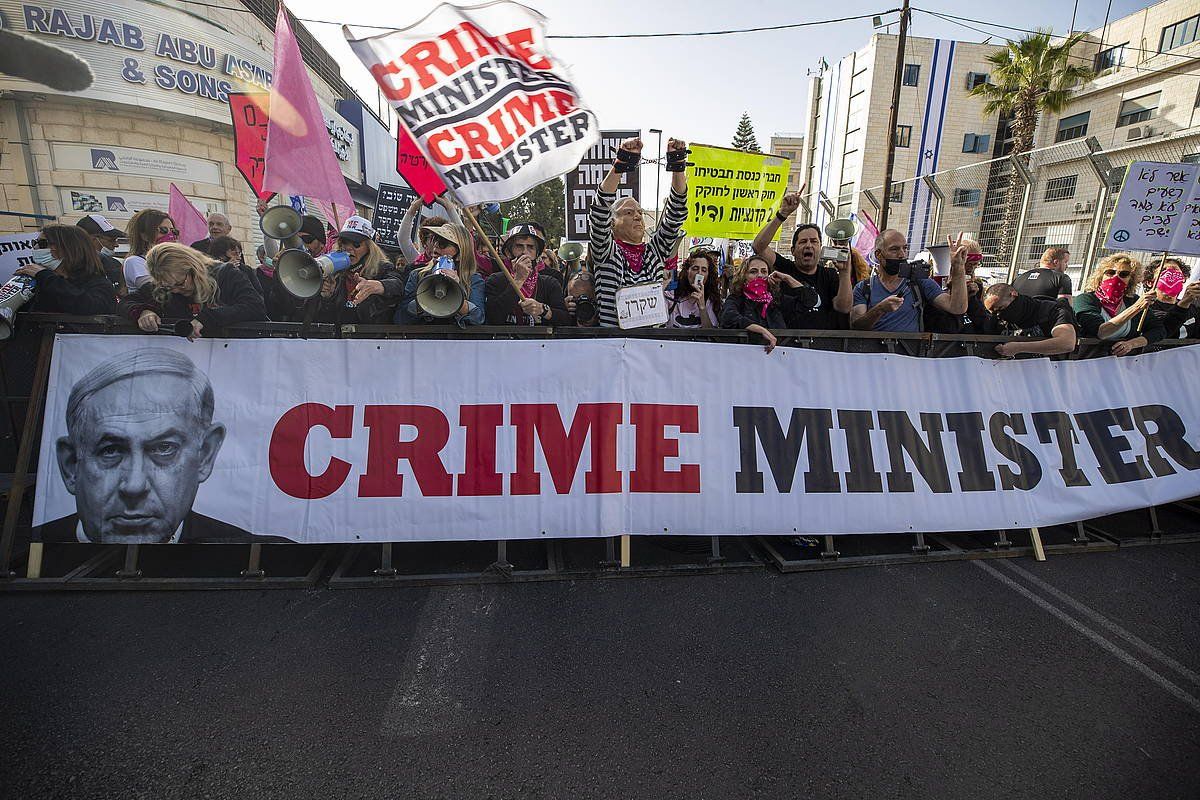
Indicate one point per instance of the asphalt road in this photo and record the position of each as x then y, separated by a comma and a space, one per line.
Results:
1074, 678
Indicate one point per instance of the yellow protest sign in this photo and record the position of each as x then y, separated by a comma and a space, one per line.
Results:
732, 193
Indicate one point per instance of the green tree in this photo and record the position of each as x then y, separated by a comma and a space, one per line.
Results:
1029, 77
544, 204
744, 138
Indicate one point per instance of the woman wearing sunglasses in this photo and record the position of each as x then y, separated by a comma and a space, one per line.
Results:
367, 293
1176, 301
186, 284
1107, 308
146, 228
68, 275
448, 240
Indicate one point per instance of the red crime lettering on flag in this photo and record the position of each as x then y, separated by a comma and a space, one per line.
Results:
249, 111
415, 169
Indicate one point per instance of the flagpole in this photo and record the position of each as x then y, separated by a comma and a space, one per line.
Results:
467, 215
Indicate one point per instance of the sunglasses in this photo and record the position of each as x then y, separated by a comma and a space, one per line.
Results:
1123, 274
438, 241
163, 230
307, 238
351, 243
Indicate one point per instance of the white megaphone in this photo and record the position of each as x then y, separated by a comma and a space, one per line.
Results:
439, 294
301, 274
570, 251
280, 222
840, 230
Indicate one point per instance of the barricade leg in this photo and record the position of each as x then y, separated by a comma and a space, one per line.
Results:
1081, 536
1039, 553
610, 553
130, 570
1002, 543
829, 553
625, 548
1155, 530
714, 556
385, 570
921, 548
501, 564
254, 564
29, 436
33, 566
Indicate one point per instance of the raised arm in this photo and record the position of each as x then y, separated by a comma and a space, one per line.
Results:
762, 242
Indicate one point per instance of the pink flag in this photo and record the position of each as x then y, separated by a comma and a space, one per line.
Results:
191, 223
299, 157
864, 243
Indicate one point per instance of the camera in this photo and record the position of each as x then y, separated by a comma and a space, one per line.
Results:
838, 254
585, 308
915, 270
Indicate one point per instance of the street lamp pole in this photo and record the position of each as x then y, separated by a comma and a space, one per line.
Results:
657, 174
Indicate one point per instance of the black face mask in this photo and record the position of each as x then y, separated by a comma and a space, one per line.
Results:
892, 265
1017, 310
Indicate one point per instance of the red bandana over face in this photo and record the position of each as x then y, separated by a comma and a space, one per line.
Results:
757, 291
1111, 294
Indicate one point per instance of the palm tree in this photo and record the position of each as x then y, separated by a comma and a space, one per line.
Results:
1028, 77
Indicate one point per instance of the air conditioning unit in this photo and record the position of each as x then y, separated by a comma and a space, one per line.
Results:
1139, 132
1085, 207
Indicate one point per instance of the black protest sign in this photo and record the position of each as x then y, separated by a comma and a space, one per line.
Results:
390, 206
583, 181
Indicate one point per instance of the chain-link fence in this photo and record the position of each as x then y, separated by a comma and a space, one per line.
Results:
1018, 206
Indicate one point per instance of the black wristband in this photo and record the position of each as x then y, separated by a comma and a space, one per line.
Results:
677, 160
627, 161
779, 216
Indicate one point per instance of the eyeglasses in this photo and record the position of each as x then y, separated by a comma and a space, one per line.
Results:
163, 230
1123, 274
41, 244
179, 284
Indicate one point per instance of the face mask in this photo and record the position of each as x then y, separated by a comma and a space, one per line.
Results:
42, 257
1016, 310
107, 251
168, 237
1111, 290
1170, 283
758, 291
892, 265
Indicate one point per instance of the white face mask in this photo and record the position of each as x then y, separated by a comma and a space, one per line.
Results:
42, 257
107, 251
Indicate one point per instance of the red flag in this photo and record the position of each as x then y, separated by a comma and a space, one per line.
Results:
249, 112
415, 169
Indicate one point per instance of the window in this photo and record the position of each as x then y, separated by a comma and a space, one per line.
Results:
1037, 246
1110, 58
1190, 158
1073, 127
1138, 109
1061, 188
976, 79
912, 74
903, 136
897, 194
965, 197
1179, 34
976, 142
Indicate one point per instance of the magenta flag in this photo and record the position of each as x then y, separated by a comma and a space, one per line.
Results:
299, 157
864, 243
191, 223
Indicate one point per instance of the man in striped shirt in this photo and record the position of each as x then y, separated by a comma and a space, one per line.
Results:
620, 254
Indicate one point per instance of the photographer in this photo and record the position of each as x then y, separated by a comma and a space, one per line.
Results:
1031, 317
754, 303
581, 300
894, 297
368, 292
1107, 308
617, 241
68, 277
186, 284
455, 244
823, 295
693, 301
540, 301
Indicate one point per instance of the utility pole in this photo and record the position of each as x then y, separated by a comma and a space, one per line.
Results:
891, 131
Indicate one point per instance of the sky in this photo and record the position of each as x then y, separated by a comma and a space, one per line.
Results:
696, 88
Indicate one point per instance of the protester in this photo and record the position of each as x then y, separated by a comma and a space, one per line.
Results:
282, 306
581, 300
1032, 317
146, 228
104, 237
415, 242
228, 250
186, 284
976, 320
617, 234
859, 268
368, 292
540, 301
218, 226
551, 265
1050, 278
694, 300
453, 242
891, 302
823, 295
1175, 306
68, 277
1107, 309
755, 303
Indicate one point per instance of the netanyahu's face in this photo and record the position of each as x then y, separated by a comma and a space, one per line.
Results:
137, 456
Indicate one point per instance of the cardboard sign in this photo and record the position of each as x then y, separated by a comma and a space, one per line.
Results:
641, 306
583, 181
415, 169
390, 205
15, 252
1158, 209
249, 111
732, 193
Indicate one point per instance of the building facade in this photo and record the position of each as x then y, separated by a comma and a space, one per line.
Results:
791, 147
156, 113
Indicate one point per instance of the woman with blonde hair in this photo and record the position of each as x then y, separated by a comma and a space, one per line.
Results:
367, 292
1108, 309
186, 284
452, 253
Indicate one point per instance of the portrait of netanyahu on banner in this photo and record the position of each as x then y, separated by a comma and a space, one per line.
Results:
140, 439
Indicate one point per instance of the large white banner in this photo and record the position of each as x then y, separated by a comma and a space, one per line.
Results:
158, 439
476, 86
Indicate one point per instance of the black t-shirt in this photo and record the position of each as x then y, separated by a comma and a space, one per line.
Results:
813, 309
1043, 282
1036, 316
1173, 318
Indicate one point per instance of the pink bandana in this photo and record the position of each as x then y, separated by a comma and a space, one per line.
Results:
634, 254
757, 291
1111, 294
1170, 282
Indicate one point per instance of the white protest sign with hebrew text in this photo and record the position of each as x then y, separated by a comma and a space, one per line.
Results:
641, 306
1152, 209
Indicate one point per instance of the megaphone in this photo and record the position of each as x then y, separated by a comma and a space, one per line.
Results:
840, 230
301, 274
570, 251
439, 295
280, 222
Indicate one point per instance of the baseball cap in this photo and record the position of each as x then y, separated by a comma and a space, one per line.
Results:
356, 229
313, 227
97, 225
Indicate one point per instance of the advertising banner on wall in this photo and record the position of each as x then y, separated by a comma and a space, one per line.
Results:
120, 204
112, 160
649, 437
